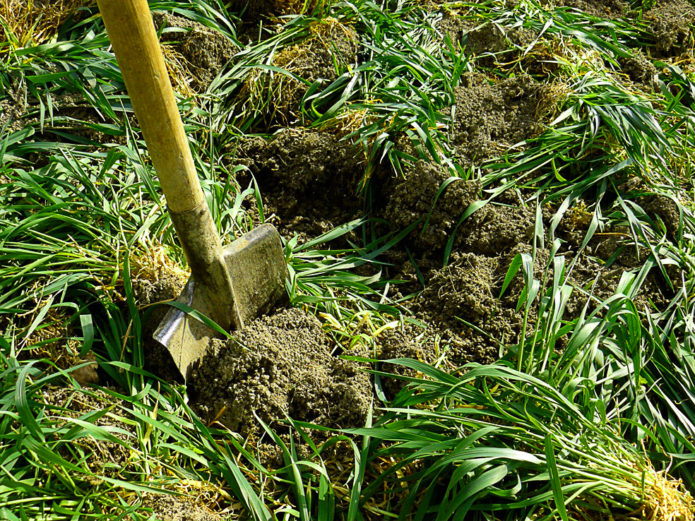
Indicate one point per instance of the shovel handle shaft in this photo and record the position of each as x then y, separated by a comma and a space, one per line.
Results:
134, 40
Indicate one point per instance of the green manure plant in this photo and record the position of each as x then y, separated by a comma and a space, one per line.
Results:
543, 433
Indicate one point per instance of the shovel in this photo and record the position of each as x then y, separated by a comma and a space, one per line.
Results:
228, 285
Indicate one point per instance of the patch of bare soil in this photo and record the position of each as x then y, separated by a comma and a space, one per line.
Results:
412, 198
490, 116
492, 39
204, 50
308, 178
278, 366
180, 508
672, 26
491, 230
598, 8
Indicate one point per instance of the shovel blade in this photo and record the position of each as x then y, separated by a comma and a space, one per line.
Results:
257, 268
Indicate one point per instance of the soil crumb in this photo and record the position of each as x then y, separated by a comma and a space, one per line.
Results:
492, 116
204, 50
671, 24
279, 366
309, 179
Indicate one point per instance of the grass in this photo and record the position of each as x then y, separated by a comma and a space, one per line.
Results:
589, 415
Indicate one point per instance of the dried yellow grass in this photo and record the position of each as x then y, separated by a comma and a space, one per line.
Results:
28, 22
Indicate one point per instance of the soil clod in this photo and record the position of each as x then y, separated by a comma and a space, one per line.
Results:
279, 366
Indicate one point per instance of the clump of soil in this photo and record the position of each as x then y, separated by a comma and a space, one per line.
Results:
179, 508
467, 290
496, 229
413, 197
492, 116
664, 208
640, 70
310, 179
204, 50
491, 39
491, 230
279, 366
671, 24
401, 342
599, 8
331, 47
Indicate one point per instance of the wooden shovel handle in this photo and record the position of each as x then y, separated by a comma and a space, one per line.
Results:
134, 40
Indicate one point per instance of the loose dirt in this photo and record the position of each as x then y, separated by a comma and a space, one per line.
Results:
490, 116
671, 23
598, 8
280, 365
640, 70
308, 178
204, 51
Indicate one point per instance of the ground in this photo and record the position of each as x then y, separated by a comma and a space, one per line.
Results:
452, 288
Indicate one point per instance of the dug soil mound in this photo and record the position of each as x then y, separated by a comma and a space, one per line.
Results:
671, 22
490, 116
308, 178
599, 8
279, 366
202, 50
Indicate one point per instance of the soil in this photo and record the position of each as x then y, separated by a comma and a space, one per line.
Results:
278, 366
180, 508
598, 8
640, 70
308, 179
491, 116
204, 50
491, 39
672, 23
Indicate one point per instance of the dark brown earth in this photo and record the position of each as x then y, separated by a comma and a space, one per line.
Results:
491, 115
278, 366
599, 8
309, 179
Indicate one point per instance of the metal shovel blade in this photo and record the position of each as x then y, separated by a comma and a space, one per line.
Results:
257, 268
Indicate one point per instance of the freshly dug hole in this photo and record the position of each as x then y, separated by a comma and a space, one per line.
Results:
278, 366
